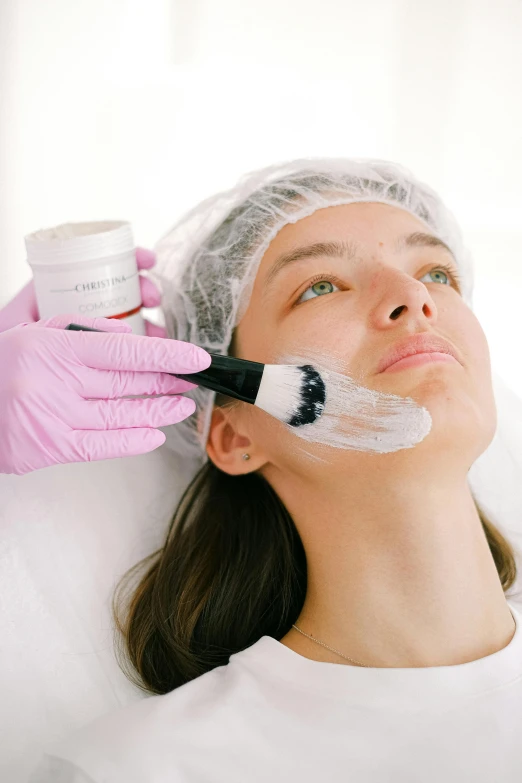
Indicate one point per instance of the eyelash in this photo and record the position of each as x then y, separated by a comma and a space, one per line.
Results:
333, 279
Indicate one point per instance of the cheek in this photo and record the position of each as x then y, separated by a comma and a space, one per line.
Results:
329, 337
471, 339
268, 435
465, 400
480, 359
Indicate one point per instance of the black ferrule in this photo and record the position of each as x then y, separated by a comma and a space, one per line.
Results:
238, 378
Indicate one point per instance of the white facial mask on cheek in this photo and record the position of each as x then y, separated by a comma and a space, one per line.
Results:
358, 418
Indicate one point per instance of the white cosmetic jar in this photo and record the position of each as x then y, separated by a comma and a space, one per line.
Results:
87, 269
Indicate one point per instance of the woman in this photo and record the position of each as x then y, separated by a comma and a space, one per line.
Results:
291, 566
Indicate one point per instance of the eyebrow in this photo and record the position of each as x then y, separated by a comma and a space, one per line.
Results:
347, 251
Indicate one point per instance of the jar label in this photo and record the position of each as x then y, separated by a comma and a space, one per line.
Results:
101, 290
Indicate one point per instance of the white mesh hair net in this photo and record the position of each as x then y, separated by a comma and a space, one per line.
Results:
208, 261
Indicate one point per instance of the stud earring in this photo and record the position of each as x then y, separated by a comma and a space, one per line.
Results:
246, 456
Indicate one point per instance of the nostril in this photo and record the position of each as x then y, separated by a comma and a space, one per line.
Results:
395, 314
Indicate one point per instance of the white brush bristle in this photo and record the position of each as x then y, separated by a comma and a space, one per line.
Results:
280, 390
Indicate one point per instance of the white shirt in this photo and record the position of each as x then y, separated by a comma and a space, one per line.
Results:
273, 715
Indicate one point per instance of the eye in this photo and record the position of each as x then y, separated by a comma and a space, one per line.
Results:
449, 277
320, 287
439, 273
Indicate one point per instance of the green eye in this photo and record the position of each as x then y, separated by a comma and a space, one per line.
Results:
320, 287
438, 272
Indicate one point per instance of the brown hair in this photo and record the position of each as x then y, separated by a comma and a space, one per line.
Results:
233, 569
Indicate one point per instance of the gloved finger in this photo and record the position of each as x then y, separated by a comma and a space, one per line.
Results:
89, 445
104, 324
150, 293
137, 352
123, 414
152, 330
113, 384
145, 259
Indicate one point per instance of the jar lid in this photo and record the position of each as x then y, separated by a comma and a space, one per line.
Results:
74, 242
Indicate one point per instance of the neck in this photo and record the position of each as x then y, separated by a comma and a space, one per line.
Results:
398, 576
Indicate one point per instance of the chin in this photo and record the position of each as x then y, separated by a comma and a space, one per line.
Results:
436, 380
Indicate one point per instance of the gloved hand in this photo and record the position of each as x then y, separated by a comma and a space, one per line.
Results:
23, 308
48, 375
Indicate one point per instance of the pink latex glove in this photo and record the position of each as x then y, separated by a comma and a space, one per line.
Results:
48, 375
23, 308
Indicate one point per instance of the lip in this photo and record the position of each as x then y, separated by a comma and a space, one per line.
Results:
417, 344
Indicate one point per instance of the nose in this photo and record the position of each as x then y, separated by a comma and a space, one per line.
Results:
403, 298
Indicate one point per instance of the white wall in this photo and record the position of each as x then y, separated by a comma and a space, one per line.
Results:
135, 110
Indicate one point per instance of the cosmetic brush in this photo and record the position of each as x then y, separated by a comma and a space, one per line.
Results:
294, 394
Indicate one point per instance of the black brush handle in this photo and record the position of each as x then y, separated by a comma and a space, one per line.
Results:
238, 378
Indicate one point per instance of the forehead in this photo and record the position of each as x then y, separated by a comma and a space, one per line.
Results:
370, 224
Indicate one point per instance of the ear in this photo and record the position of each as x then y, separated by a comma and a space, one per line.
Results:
226, 444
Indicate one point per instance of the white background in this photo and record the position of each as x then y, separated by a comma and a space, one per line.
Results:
126, 109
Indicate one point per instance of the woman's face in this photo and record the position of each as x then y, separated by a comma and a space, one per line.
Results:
339, 309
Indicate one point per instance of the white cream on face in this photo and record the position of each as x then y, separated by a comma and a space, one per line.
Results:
358, 418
